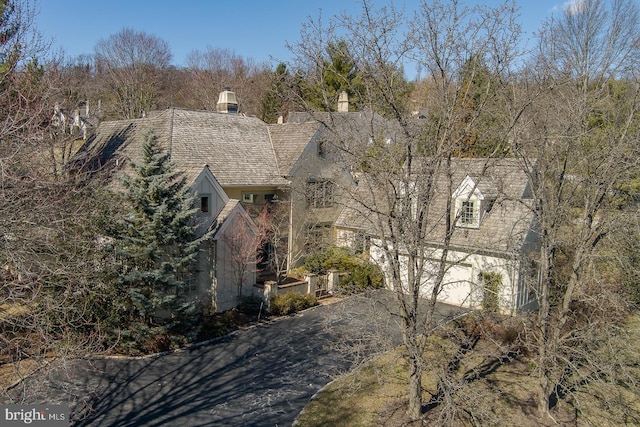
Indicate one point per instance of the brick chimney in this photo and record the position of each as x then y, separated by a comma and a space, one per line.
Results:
227, 102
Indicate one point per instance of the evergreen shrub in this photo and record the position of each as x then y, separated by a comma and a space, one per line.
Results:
291, 302
362, 274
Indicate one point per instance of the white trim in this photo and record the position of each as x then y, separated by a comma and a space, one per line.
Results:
237, 213
208, 175
460, 215
468, 189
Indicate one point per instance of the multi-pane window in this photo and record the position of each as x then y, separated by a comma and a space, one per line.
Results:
467, 213
361, 243
320, 193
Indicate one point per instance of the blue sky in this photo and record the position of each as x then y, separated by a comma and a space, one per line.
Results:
257, 29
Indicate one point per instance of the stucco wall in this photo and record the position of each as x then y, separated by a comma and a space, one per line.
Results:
227, 286
462, 284
304, 217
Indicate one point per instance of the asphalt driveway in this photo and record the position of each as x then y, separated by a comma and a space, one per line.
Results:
261, 376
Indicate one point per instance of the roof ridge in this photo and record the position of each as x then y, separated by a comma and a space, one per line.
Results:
273, 148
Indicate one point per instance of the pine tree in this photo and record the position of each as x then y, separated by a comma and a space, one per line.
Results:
157, 242
336, 73
275, 101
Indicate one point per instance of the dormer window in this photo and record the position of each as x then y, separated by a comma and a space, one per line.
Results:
471, 197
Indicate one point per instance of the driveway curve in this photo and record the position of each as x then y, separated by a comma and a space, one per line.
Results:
261, 376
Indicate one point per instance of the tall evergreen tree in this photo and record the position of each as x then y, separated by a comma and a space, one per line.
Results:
335, 72
157, 243
275, 101
481, 101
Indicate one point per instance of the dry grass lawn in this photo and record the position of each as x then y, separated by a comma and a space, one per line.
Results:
503, 396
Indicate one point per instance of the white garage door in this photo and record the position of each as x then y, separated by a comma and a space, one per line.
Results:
458, 286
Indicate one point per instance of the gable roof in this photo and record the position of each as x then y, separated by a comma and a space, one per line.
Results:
481, 187
504, 227
194, 176
224, 216
237, 148
289, 141
233, 211
351, 133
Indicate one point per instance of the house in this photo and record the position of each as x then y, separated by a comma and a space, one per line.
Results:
79, 122
318, 181
250, 161
224, 270
494, 227
494, 235
220, 279
298, 165
329, 189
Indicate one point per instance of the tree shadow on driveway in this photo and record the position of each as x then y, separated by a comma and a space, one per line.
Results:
261, 376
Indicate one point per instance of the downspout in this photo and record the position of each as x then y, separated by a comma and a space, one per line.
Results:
291, 236
515, 285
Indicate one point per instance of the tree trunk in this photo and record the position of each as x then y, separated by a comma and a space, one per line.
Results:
415, 388
544, 322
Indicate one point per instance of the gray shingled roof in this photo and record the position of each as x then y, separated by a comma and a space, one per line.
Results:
353, 125
236, 148
502, 229
350, 131
223, 216
118, 140
289, 141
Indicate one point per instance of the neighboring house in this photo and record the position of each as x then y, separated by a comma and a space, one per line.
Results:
79, 122
495, 232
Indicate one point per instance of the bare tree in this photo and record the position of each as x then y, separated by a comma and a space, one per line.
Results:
75, 109
215, 69
583, 133
132, 63
273, 225
49, 264
405, 166
242, 241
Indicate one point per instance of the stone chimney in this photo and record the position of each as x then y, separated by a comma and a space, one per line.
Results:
343, 102
227, 102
